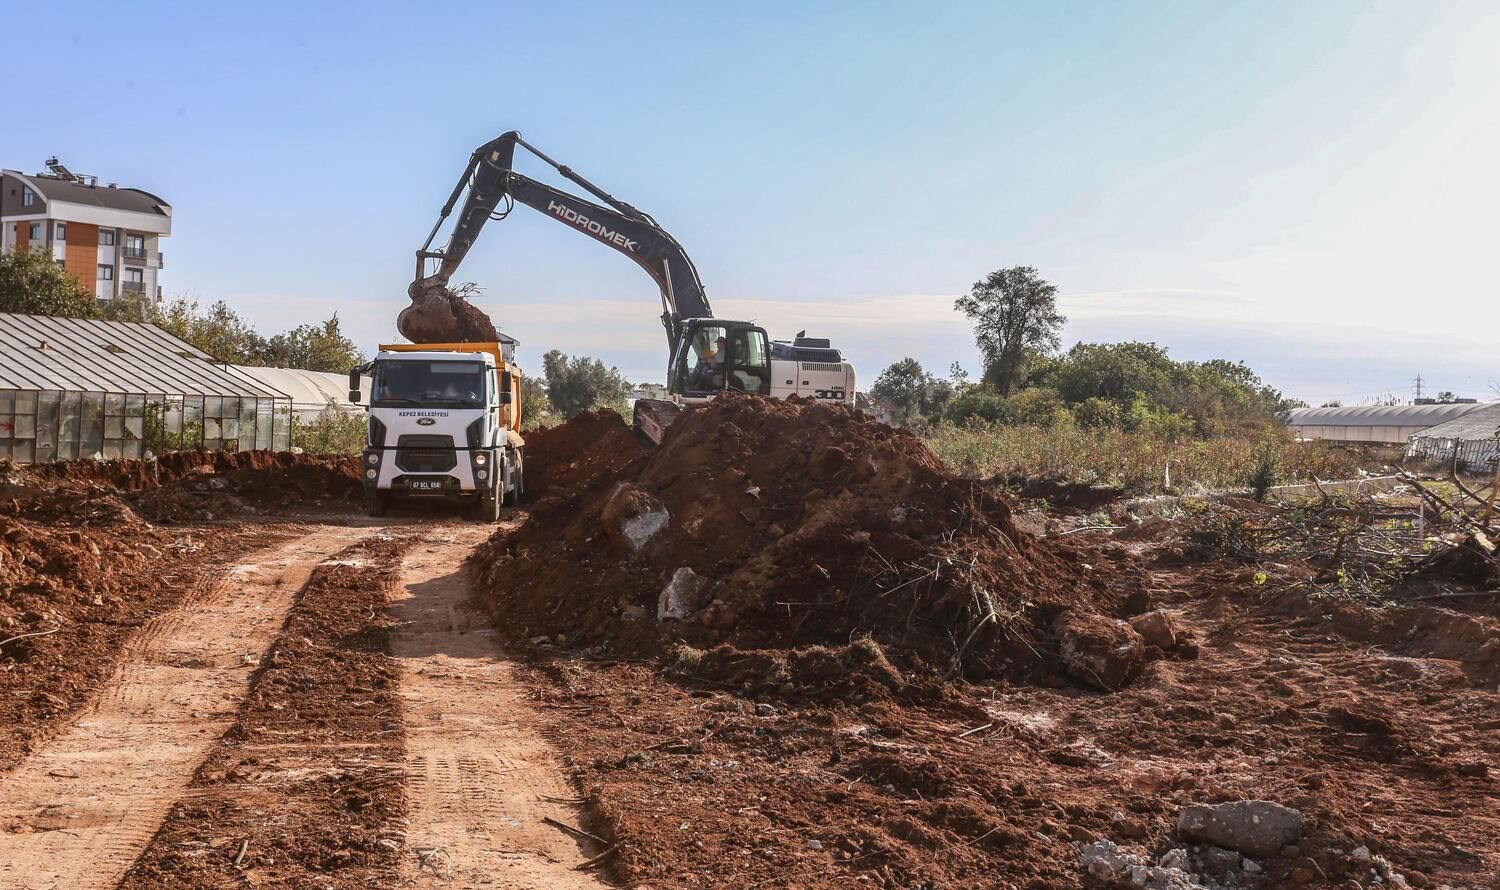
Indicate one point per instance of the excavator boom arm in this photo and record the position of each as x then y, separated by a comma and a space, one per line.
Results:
490, 181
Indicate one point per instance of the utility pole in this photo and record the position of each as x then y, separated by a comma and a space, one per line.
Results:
1417, 387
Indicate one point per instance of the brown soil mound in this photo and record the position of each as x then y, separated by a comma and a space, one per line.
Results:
590, 445
773, 524
188, 485
438, 315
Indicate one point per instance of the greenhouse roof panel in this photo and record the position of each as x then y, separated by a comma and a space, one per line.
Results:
39, 352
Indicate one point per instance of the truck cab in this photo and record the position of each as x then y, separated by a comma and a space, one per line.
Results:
444, 424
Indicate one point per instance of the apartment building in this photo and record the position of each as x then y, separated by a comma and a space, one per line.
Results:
107, 237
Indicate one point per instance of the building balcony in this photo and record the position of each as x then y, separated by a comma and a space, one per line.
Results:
133, 287
133, 253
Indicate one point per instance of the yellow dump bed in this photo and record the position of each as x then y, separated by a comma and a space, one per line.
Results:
510, 415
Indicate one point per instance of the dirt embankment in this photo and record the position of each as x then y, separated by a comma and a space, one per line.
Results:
774, 524
184, 486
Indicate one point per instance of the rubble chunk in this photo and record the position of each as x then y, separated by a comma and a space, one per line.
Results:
682, 596
1099, 650
1257, 828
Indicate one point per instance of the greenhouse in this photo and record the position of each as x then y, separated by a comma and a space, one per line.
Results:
73, 388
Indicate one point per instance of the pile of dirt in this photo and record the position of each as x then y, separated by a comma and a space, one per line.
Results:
438, 315
593, 444
204, 484
774, 524
182, 486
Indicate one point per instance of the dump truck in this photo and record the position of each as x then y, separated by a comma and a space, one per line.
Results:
445, 424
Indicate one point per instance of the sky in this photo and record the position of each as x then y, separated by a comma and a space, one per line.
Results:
1311, 188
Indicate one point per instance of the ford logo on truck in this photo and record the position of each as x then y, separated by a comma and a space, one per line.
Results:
425, 421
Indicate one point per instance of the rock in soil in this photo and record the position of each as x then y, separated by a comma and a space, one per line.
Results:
1256, 828
1099, 650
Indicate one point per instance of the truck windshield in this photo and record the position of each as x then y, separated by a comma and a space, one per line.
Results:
448, 384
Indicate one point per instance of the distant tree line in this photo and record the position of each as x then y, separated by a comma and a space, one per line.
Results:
1131, 386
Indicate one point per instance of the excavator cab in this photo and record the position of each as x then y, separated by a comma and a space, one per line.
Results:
715, 355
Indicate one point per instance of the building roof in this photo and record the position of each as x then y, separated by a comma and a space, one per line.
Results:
39, 352
1381, 415
1481, 424
54, 189
309, 390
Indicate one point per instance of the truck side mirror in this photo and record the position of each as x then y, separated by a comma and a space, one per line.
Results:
506, 382
354, 386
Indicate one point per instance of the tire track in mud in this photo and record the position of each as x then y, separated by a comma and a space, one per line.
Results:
305, 788
76, 812
481, 778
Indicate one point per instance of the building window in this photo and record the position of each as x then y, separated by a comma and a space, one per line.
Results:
106, 273
28, 197
135, 246
106, 238
34, 233
62, 231
61, 264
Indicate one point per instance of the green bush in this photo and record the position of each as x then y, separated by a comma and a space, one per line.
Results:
1135, 460
334, 432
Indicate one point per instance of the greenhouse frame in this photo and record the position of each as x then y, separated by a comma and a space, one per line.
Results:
72, 388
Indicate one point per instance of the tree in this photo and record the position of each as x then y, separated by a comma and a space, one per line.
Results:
579, 384
320, 347
217, 330
1014, 311
536, 408
913, 391
32, 283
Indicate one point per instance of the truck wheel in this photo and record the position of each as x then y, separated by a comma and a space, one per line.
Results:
375, 502
517, 480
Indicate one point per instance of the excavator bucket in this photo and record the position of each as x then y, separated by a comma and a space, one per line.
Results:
437, 315
653, 416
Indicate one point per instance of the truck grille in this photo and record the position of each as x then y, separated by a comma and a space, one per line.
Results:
426, 454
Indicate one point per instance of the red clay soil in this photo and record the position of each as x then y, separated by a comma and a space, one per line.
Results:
72, 591
438, 315
808, 524
591, 445
301, 790
706, 783
185, 486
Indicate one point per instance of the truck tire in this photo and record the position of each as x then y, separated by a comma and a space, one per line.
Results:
376, 502
489, 508
517, 478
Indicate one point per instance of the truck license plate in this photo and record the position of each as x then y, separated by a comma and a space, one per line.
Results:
426, 485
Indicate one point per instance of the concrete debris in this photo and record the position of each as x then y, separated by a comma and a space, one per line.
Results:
682, 596
1105, 861
1256, 828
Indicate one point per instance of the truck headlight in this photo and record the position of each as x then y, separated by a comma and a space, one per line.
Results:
481, 475
371, 473
372, 458
480, 459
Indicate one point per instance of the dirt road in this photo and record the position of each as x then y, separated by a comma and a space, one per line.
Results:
480, 778
76, 812
397, 749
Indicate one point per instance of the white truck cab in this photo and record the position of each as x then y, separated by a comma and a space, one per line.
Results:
445, 422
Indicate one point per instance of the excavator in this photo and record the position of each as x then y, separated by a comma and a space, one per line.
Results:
707, 356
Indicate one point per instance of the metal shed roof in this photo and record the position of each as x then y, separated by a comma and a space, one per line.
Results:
1380, 415
45, 353
1481, 424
